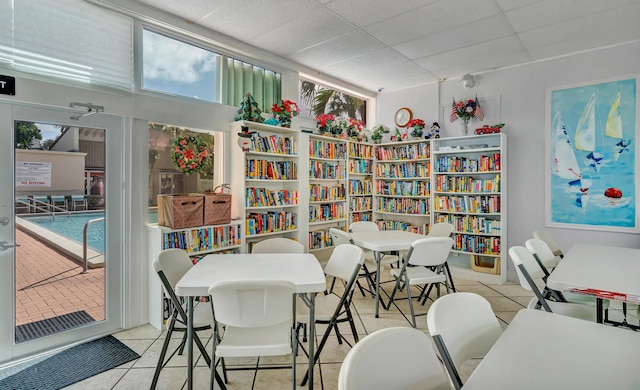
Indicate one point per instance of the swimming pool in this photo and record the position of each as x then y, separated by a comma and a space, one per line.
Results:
71, 226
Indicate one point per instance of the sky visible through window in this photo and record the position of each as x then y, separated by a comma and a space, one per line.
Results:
178, 68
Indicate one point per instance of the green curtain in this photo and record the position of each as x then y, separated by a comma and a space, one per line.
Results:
240, 77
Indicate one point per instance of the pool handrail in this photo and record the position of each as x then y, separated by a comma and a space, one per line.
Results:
50, 208
84, 242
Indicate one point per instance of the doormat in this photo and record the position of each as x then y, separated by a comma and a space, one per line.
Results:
71, 365
53, 325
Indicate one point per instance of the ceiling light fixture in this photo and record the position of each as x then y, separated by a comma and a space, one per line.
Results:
467, 81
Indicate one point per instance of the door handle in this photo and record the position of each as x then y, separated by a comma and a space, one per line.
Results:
4, 245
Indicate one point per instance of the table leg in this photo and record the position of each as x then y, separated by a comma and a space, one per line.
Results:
599, 310
190, 343
312, 339
377, 256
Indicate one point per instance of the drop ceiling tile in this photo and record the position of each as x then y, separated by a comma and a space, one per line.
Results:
366, 12
493, 27
431, 19
344, 47
479, 65
373, 60
506, 5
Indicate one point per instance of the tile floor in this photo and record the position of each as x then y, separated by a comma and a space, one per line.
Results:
505, 300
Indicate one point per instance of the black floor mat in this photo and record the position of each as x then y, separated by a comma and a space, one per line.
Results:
53, 325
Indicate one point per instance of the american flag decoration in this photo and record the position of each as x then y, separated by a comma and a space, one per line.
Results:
454, 112
478, 113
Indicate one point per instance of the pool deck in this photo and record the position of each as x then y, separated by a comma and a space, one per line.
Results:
50, 284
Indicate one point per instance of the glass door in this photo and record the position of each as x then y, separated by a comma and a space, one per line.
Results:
56, 232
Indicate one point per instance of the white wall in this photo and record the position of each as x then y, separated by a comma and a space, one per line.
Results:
522, 93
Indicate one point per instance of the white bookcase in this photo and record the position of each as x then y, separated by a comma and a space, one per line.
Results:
327, 194
197, 242
401, 184
360, 181
265, 181
469, 191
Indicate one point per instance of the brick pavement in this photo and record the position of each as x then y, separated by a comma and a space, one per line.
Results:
48, 284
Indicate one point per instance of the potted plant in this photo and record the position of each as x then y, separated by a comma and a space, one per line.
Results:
284, 111
377, 132
325, 122
354, 127
339, 128
416, 125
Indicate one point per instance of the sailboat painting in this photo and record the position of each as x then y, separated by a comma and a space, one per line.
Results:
592, 155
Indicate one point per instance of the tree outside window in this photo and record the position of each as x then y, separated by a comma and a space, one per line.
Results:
316, 99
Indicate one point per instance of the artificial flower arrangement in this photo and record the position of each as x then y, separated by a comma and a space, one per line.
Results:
377, 133
417, 125
325, 122
465, 110
354, 128
285, 111
338, 128
189, 153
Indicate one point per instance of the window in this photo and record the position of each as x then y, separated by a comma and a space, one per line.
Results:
164, 177
241, 78
178, 68
316, 99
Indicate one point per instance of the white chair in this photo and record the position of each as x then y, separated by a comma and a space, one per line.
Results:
424, 255
171, 265
78, 201
543, 254
58, 202
340, 237
331, 309
258, 320
546, 237
442, 229
277, 245
463, 327
412, 362
530, 276
368, 226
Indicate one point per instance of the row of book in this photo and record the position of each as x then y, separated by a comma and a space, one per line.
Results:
360, 203
326, 212
357, 216
361, 166
360, 187
403, 152
360, 150
476, 244
471, 223
319, 239
468, 203
389, 224
403, 206
464, 164
319, 193
327, 149
404, 169
467, 184
203, 239
271, 170
259, 197
273, 144
326, 170
270, 222
403, 188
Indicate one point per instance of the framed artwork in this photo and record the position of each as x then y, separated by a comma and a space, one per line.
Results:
591, 156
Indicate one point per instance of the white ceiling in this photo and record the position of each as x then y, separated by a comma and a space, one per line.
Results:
394, 44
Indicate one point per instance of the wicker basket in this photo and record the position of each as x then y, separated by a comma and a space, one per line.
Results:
180, 211
217, 209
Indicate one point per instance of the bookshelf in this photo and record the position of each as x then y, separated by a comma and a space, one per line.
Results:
360, 181
469, 185
328, 205
197, 242
401, 185
265, 181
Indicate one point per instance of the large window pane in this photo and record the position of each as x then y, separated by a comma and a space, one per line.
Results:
178, 68
316, 99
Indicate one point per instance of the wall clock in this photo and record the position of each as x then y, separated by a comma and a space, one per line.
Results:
403, 116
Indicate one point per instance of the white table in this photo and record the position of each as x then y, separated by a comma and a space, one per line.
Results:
384, 241
541, 350
605, 272
303, 270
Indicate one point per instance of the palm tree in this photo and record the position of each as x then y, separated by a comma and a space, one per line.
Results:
323, 100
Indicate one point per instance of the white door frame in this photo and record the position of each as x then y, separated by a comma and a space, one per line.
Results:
114, 169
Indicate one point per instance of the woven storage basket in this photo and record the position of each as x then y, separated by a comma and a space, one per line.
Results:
217, 209
180, 211
487, 267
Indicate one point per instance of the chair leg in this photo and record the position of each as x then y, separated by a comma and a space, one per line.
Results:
449, 277
361, 289
393, 293
163, 353
408, 288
